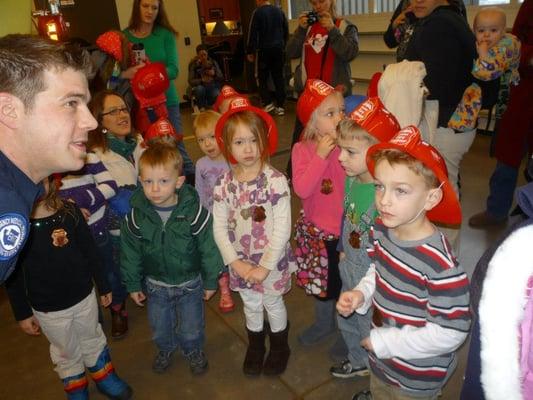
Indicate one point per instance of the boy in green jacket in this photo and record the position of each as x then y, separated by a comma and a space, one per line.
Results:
168, 252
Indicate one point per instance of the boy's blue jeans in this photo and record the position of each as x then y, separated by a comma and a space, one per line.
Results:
176, 316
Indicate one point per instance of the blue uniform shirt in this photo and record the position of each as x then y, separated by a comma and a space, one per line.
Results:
17, 195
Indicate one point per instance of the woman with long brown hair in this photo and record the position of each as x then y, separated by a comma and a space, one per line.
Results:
119, 148
149, 25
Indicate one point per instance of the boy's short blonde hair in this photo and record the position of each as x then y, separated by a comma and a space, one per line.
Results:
348, 129
205, 119
397, 157
161, 152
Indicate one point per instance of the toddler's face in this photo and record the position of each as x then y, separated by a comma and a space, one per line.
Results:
245, 147
159, 184
205, 137
400, 194
328, 115
353, 157
489, 28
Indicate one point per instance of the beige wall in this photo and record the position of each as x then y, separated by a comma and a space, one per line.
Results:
183, 15
15, 16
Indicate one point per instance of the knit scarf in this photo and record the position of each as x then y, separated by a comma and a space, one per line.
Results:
123, 147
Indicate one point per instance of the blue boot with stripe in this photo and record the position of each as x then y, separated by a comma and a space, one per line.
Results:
106, 379
76, 387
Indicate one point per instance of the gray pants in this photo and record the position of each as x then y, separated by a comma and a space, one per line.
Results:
76, 338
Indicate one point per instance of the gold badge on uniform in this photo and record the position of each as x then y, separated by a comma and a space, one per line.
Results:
59, 237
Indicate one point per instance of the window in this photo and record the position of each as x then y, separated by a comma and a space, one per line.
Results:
349, 7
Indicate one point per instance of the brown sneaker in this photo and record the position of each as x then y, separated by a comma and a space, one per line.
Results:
485, 220
119, 323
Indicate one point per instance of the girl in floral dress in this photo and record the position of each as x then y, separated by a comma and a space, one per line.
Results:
251, 224
318, 179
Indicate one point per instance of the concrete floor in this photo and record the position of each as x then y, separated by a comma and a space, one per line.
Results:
27, 373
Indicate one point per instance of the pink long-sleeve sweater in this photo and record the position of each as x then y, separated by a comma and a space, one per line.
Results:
319, 184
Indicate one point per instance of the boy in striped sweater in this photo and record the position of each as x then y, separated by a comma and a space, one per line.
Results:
418, 289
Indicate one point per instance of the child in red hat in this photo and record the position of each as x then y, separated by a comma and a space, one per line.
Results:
318, 179
208, 169
227, 93
252, 228
419, 291
368, 124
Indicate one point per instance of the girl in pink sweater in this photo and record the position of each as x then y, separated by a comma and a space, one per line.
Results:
318, 179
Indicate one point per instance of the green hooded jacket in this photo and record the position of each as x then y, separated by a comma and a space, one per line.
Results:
174, 253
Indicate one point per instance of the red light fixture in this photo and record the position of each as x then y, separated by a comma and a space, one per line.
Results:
51, 24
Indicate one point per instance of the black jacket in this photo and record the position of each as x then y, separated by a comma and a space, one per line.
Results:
57, 265
268, 29
445, 44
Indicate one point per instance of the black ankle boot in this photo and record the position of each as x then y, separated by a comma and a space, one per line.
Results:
253, 362
279, 353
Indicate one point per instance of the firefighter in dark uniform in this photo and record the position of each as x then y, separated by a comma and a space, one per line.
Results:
17, 194
44, 125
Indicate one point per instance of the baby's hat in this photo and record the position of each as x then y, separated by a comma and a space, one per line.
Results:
314, 93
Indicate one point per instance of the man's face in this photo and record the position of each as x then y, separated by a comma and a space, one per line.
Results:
202, 56
422, 8
55, 130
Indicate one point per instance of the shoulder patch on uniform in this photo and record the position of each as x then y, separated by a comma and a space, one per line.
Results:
13, 233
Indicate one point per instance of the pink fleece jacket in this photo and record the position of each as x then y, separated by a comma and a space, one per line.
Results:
319, 184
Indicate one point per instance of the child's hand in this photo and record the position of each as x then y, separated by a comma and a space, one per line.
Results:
208, 293
106, 299
138, 298
30, 326
257, 275
349, 301
242, 268
367, 344
326, 144
482, 49
342, 255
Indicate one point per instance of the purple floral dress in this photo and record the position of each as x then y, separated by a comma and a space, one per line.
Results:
252, 222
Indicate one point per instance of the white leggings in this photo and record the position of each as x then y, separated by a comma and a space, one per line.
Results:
254, 302
75, 336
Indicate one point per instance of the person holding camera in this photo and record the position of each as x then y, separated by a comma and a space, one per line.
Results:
325, 45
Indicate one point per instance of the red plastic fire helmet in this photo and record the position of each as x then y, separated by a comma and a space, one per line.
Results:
150, 84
